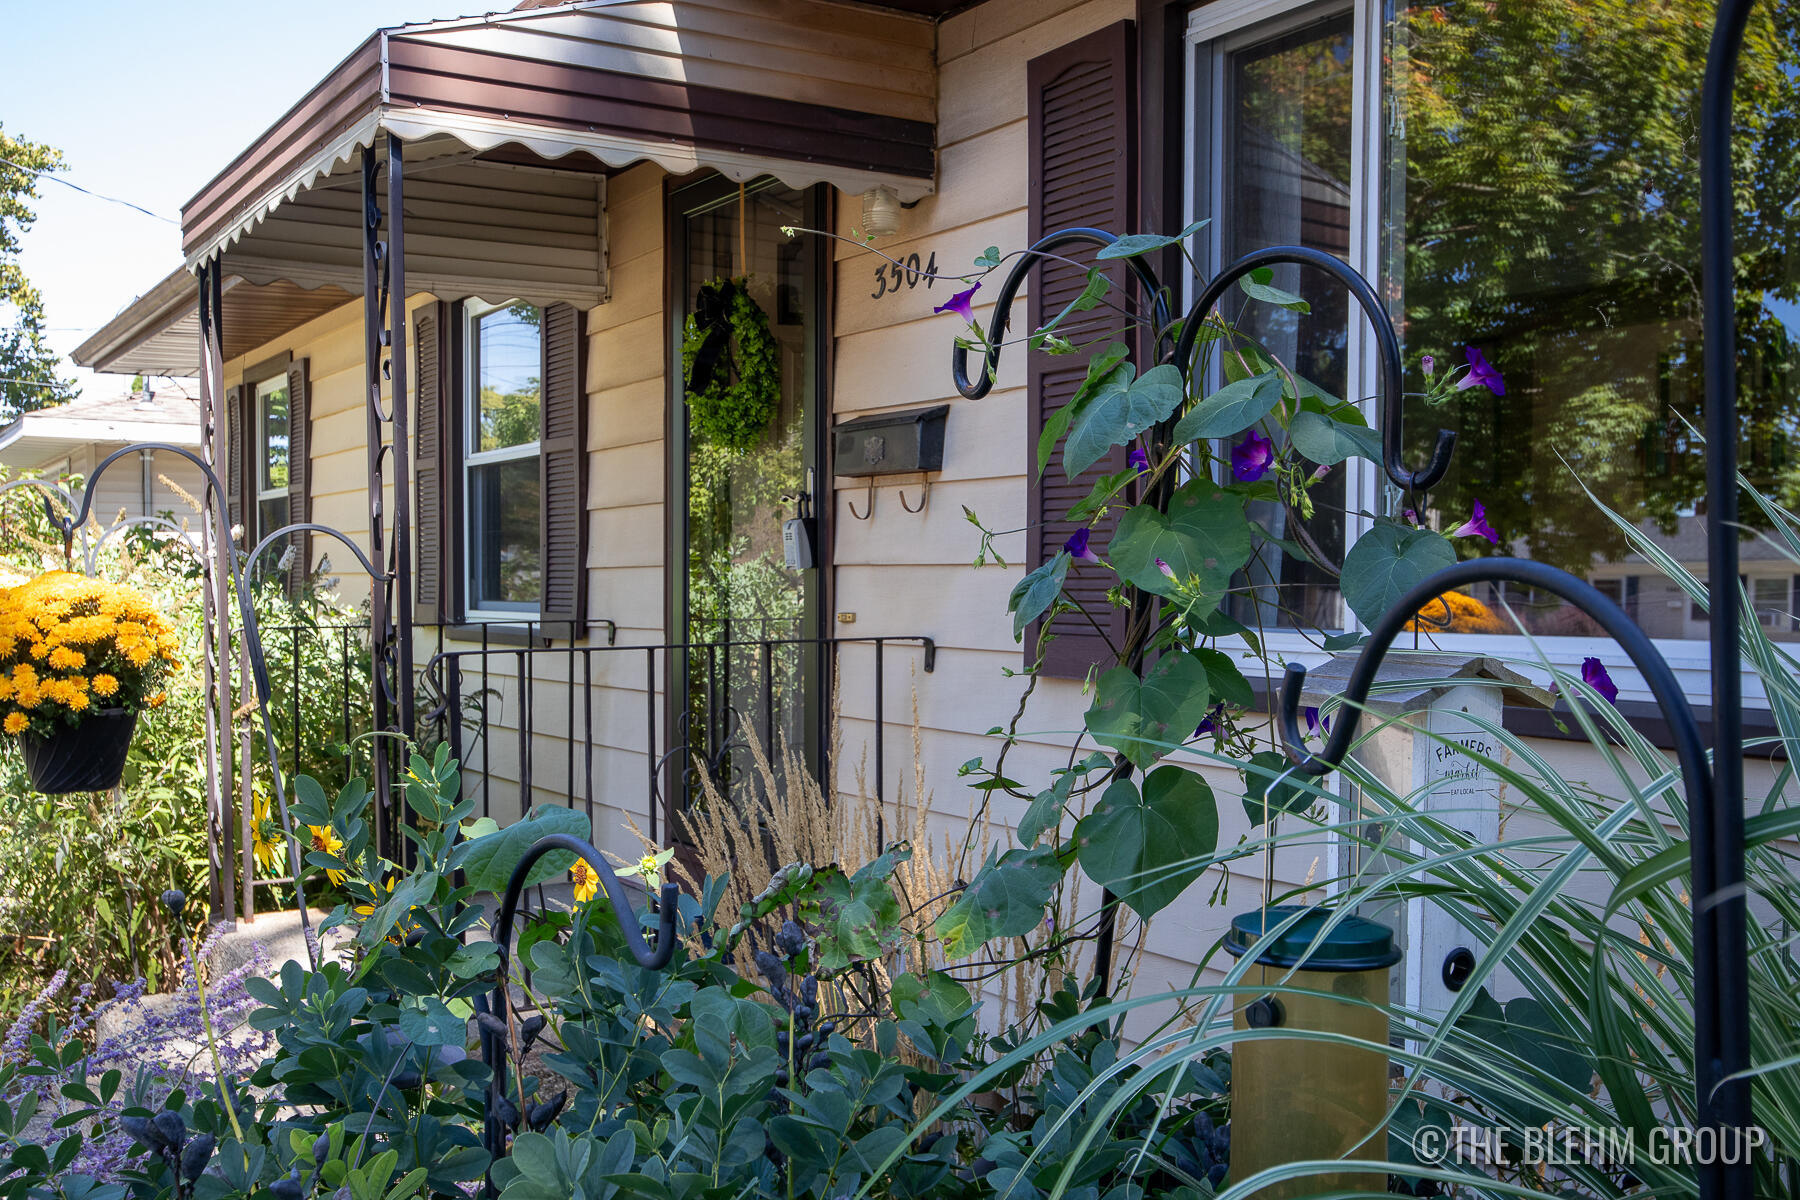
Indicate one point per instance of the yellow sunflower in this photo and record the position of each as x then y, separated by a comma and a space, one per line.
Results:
265, 842
587, 881
326, 840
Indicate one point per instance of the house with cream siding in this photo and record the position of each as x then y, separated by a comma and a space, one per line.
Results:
607, 592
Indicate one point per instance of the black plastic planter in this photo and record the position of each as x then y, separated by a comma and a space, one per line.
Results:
89, 757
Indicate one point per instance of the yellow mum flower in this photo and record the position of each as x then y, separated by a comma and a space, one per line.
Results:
104, 685
27, 695
16, 722
78, 702
138, 655
587, 881
156, 701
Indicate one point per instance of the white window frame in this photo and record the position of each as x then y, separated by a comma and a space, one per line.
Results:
1214, 29
264, 494
468, 407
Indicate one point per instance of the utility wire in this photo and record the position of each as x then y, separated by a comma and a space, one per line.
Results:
54, 178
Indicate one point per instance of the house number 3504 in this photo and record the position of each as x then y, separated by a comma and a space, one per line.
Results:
890, 278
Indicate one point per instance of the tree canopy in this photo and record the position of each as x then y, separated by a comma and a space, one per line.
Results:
28, 367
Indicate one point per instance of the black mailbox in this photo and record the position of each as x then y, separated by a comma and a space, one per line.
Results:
896, 443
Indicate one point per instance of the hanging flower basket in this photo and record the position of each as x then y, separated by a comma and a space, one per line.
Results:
89, 757
79, 659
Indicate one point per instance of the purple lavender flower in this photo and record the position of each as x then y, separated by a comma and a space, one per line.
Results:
1482, 373
1077, 546
1594, 674
960, 304
1430, 365
1477, 526
1251, 458
1167, 570
1137, 460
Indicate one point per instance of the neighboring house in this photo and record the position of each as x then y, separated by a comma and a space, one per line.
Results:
572, 180
75, 438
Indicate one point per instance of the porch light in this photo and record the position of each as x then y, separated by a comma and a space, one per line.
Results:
881, 212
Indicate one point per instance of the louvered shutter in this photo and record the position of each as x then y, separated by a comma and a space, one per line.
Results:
1083, 134
299, 470
562, 439
431, 430
236, 418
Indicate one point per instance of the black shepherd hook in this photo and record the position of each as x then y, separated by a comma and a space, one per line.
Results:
1387, 340
1387, 353
67, 524
1009, 290
650, 957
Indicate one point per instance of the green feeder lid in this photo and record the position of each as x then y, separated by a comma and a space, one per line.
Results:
1354, 944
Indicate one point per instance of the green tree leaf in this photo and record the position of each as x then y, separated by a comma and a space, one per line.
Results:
1134, 244
1149, 846
1230, 410
1120, 408
1329, 442
1204, 534
1033, 595
1145, 718
1387, 561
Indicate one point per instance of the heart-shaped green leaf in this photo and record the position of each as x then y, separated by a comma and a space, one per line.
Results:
1006, 898
1203, 535
1386, 562
1328, 442
1230, 410
1120, 408
1264, 768
1146, 718
1033, 595
1148, 846
1257, 286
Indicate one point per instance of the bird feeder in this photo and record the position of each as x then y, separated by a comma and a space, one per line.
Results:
1303, 1097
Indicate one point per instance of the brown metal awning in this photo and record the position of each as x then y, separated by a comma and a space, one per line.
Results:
805, 90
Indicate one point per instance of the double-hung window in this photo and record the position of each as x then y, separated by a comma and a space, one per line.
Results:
1522, 180
502, 491
272, 446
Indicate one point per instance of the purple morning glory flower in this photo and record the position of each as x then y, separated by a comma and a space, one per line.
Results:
960, 305
1429, 363
1077, 546
1593, 673
1137, 460
1412, 516
1321, 473
1482, 373
1315, 723
1210, 722
1250, 458
1166, 570
1477, 526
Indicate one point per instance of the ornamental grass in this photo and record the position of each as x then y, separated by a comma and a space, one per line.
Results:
71, 645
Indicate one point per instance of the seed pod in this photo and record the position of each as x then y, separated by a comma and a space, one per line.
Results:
827, 1028
174, 900
141, 1130
781, 1077
406, 1081
540, 1115
491, 1024
196, 1156
790, 939
528, 1032
287, 1189
820, 1061
321, 1148
171, 1128
507, 1112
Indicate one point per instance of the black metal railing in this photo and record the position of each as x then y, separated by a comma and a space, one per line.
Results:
561, 710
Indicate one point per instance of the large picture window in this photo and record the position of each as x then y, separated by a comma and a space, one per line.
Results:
1522, 179
502, 413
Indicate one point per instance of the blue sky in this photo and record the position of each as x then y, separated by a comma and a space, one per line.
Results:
147, 102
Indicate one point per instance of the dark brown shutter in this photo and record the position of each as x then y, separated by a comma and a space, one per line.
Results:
562, 442
237, 420
432, 426
299, 470
1083, 134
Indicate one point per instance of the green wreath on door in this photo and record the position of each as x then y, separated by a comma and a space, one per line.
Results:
730, 365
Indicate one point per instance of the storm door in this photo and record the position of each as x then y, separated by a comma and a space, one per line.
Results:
746, 519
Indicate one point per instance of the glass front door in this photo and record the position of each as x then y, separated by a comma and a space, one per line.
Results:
747, 442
